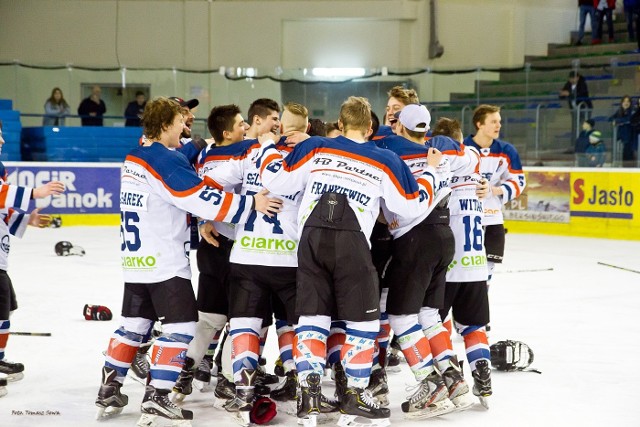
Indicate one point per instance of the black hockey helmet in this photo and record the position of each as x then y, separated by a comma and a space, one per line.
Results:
510, 355
65, 248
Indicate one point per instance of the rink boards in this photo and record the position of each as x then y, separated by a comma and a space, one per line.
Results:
590, 202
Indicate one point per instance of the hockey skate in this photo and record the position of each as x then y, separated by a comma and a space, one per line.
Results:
242, 403
482, 382
359, 410
340, 377
287, 390
182, 387
430, 399
13, 371
265, 378
378, 387
278, 367
3, 385
140, 366
110, 401
157, 409
202, 377
309, 401
459, 392
225, 390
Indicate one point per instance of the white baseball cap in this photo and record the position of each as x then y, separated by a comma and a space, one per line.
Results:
414, 117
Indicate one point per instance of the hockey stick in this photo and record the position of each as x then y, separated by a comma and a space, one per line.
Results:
533, 270
618, 267
32, 334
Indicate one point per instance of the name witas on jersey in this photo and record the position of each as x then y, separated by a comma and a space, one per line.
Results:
320, 188
474, 205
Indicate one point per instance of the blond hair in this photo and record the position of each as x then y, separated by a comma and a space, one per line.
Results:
295, 118
355, 114
405, 96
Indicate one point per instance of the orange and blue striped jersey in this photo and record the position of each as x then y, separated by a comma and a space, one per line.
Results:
363, 172
500, 165
213, 163
158, 188
261, 240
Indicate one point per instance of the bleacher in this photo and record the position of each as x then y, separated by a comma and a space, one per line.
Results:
11, 131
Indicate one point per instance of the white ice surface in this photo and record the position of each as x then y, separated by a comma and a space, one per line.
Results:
580, 320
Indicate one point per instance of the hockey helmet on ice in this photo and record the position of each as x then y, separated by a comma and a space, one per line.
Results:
509, 355
65, 248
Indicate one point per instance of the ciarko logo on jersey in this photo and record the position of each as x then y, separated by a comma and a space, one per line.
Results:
469, 262
275, 245
139, 262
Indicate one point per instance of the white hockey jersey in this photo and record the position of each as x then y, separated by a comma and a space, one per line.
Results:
500, 165
261, 240
363, 172
415, 157
14, 222
469, 262
158, 188
219, 157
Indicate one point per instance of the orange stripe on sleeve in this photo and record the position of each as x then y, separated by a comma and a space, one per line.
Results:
224, 209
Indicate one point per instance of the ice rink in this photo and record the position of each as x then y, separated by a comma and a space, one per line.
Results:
579, 318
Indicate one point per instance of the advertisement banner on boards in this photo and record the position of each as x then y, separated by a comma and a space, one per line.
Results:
91, 188
546, 198
612, 195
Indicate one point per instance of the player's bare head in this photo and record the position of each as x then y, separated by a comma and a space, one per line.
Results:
295, 118
262, 108
317, 128
355, 114
222, 118
332, 129
448, 127
481, 112
404, 95
158, 115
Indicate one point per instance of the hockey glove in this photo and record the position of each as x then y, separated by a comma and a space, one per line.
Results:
97, 312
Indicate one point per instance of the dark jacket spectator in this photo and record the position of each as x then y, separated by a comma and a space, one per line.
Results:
576, 91
92, 109
134, 110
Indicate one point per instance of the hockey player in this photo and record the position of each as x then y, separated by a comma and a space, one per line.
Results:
263, 117
191, 146
259, 281
227, 127
500, 165
466, 290
344, 180
416, 278
14, 222
158, 188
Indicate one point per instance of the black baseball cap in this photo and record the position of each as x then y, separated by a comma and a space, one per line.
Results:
190, 104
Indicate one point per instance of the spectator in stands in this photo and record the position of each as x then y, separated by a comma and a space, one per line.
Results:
582, 142
134, 110
586, 9
624, 129
576, 92
92, 109
603, 8
55, 109
595, 151
632, 13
